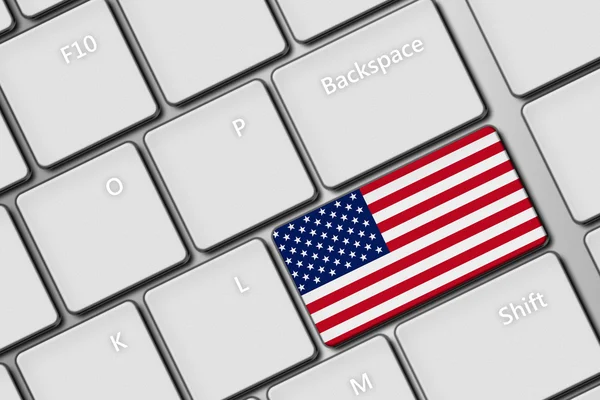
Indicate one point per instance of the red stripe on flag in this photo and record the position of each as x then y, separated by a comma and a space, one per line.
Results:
418, 256
429, 158
445, 196
436, 177
428, 275
430, 295
454, 215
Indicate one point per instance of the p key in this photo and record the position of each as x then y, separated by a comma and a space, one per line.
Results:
72, 82
523, 336
230, 324
108, 357
369, 370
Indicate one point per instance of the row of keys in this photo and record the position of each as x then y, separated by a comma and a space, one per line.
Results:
526, 327
83, 56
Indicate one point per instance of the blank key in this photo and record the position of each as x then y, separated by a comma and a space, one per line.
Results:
25, 308
12, 166
194, 45
230, 323
368, 371
378, 92
310, 18
538, 41
229, 165
33, 8
8, 391
564, 124
107, 357
522, 336
6, 20
72, 82
101, 227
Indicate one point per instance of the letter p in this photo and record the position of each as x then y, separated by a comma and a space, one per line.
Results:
239, 125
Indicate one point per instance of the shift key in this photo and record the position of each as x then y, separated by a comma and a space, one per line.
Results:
378, 92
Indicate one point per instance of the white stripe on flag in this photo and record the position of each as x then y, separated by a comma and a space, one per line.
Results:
432, 284
441, 186
424, 265
432, 167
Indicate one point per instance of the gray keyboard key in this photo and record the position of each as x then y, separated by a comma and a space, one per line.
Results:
538, 41
593, 394
522, 336
6, 20
72, 82
194, 45
101, 228
8, 391
378, 92
563, 124
311, 18
230, 165
13, 168
369, 370
25, 308
33, 8
108, 357
230, 323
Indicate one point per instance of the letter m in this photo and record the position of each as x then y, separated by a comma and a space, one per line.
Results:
366, 382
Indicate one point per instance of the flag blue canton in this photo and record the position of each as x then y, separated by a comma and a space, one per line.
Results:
329, 242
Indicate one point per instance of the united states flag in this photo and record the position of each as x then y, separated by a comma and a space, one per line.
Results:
409, 236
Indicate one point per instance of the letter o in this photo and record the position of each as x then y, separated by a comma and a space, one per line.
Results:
110, 190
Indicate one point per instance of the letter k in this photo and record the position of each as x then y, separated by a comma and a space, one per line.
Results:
117, 342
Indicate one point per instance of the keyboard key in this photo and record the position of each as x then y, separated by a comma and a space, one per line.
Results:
6, 20
12, 166
25, 308
527, 45
72, 82
222, 162
101, 228
524, 334
108, 357
592, 241
379, 92
201, 44
593, 394
8, 391
563, 124
370, 369
33, 8
311, 18
409, 236
235, 317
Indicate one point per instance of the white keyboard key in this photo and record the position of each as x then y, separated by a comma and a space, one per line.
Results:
6, 20
200, 44
310, 18
13, 168
72, 82
108, 357
33, 8
222, 162
592, 241
522, 336
8, 391
25, 308
538, 41
101, 228
563, 124
353, 117
230, 323
593, 394
369, 369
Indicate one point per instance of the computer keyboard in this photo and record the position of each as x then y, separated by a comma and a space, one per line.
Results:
155, 154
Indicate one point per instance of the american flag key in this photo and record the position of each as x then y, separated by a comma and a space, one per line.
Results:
409, 236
